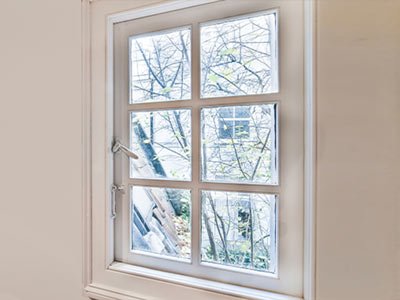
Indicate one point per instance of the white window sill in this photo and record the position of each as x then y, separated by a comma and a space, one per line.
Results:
105, 293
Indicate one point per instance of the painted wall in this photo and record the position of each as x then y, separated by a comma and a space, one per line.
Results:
358, 150
40, 167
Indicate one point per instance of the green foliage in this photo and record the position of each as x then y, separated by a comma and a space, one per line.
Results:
166, 90
185, 208
228, 51
213, 78
240, 258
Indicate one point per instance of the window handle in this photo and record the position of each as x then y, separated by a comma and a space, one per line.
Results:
114, 189
120, 147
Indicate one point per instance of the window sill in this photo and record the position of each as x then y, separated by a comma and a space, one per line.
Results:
100, 292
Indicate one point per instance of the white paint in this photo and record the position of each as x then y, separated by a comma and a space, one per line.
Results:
218, 287
156, 9
288, 264
310, 149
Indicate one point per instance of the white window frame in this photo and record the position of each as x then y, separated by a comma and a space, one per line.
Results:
105, 279
194, 18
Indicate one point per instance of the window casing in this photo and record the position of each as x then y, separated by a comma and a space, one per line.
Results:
195, 104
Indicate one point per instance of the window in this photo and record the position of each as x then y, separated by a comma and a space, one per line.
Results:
238, 56
160, 66
238, 229
233, 122
209, 110
238, 146
162, 139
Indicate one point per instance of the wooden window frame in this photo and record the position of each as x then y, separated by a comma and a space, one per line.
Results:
106, 279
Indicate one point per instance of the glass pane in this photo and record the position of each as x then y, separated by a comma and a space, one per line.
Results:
160, 221
239, 146
162, 140
238, 57
160, 66
238, 229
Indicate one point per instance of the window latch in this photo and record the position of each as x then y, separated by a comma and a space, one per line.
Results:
120, 147
114, 189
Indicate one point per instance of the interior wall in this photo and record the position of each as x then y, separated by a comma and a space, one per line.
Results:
358, 150
358, 105
40, 150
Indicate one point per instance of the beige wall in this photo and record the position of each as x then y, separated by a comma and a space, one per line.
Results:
40, 177
358, 149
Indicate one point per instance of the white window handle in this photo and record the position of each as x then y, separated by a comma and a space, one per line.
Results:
120, 147
115, 188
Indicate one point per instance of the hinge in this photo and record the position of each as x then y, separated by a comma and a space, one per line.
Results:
114, 189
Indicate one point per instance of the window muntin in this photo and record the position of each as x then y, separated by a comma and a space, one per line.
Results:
160, 66
238, 56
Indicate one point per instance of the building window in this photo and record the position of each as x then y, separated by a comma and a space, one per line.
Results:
233, 122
